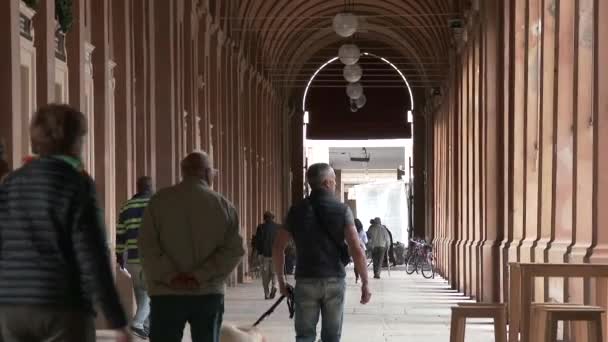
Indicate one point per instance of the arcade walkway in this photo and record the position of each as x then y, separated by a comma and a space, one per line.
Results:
403, 308
506, 102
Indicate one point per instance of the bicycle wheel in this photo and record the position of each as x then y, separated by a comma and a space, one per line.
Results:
428, 267
411, 264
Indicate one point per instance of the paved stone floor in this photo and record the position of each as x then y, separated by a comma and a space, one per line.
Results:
403, 309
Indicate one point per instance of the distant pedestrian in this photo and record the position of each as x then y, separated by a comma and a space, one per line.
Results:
127, 234
362, 241
320, 225
264, 239
379, 243
189, 244
55, 259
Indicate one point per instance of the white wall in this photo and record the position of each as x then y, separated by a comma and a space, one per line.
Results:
386, 200
317, 154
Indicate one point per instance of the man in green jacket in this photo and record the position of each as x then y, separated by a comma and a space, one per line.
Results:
189, 243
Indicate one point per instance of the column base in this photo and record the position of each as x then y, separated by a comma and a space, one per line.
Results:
526, 250
556, 253
490, 272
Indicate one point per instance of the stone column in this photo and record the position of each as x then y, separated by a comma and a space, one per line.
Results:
103, 123
150, 95
600, 202
507, 184
202, 80
493, 175
584, 122
164, 16
547, 136
101, 78
564, 147
11, 126
141, 61
75, 45
122, 50
45, 27
517, 154
178, 85
190, 75
250, 158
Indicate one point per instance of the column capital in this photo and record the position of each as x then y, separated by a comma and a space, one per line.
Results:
26, 26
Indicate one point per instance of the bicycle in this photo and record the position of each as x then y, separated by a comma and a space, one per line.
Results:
420, 259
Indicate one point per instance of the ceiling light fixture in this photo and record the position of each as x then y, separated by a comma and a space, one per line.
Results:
345, 24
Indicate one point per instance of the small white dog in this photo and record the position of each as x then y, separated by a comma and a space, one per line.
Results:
231, 333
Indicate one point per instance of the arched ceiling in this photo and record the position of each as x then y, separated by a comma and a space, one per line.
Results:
288, 40
293, 37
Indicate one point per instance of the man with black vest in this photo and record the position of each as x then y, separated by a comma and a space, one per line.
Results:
325, 234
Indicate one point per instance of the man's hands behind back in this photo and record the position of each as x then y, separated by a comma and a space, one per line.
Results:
184, 281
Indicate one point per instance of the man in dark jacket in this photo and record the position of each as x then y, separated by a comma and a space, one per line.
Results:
54, 258
264, 239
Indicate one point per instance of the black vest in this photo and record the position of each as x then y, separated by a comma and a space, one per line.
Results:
318, 256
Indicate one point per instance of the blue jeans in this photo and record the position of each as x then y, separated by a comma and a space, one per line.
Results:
323, 296
142, 315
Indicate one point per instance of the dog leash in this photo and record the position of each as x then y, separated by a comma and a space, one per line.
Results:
290, 305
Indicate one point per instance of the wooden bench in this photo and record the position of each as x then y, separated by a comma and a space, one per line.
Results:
545, 317
478, 310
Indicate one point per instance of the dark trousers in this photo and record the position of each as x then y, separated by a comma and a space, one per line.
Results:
170, 314
378, 254
38, 323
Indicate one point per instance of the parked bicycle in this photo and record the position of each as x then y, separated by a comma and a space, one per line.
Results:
420, 259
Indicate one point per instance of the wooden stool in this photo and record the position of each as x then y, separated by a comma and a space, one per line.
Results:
478, 310
545, 317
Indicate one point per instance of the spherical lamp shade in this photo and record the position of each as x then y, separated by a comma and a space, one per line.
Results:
349, 54
361, 101
354, 90
352, 73
345, 24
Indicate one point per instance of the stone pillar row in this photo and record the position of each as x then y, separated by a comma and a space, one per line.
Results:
518, 173
166, 79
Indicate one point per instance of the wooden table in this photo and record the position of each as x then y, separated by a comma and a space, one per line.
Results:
522, 289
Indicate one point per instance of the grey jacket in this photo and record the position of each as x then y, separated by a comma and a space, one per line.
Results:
378, 236
189, 228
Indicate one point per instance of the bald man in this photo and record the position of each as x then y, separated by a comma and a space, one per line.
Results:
189, 244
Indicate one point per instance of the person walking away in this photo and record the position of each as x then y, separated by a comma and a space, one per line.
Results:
362, 242
54, 258
320, 225
265, 235
189, 244
379, 243
127, 233
391, 249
